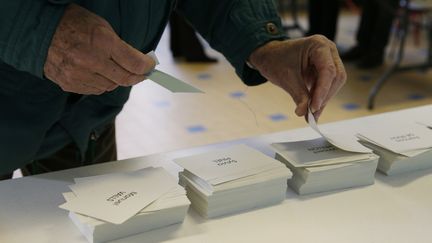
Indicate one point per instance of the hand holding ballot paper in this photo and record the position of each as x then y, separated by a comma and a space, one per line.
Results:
169, 82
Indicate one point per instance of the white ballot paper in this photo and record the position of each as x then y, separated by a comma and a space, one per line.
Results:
316, 152
342, 141
409, 139
224, 165
427, 122
169, 82
117, 197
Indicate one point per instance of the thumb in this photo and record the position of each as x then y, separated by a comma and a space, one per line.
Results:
131, 59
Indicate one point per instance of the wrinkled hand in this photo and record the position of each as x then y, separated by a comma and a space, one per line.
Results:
87, 57
309, 69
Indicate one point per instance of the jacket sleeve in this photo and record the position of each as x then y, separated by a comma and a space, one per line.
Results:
27, 27
235, 28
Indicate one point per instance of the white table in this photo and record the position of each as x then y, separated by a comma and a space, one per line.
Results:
394, 209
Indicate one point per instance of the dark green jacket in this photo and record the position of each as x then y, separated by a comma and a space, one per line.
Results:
37, 117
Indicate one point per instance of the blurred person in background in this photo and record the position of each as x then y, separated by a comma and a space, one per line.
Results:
373, 33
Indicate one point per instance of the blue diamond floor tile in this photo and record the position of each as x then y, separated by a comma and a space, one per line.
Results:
415, 97
203, 76
365, 77
278, 117
196, 129
351, 106
162, 103
237, 94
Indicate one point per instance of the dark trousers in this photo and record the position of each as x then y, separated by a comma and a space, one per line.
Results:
183, 39
103, 149
375, 25
323, 17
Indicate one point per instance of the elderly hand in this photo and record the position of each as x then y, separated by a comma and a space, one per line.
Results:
87, 57
309, 69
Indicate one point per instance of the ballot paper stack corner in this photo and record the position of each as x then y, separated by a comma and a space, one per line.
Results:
402, 146
330, 162
226, 181
118, 205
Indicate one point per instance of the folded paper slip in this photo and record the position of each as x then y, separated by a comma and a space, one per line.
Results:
230, 180
170, 209
116, 198
402, 147
408, 139
319, 166
342, 141
391, 163
169, 82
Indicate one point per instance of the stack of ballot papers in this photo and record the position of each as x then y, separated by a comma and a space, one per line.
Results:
230, 180
331, 162
113, 206
402, 147
319, 166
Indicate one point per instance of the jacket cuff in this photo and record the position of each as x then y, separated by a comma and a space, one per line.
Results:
263, 33
30, 35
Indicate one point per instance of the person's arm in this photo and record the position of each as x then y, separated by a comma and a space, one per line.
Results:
71, 46
27, 27
309, 69
235, 28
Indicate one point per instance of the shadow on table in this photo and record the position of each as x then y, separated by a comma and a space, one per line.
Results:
157, 235
402, 179
175, 231
291, 195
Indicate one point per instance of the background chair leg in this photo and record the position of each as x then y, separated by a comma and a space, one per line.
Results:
377, 86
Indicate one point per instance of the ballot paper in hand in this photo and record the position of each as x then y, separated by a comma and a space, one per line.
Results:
117, 197
169, 82
425, 121
342, 141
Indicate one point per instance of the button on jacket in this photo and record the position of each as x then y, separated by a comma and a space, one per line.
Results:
37, 118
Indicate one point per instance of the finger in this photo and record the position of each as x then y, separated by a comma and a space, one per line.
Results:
131, 59
338, 82
325, 66
302, 107
80, 86
95, 80
298, 91
317, 114
117, 74
89, 90
101, 83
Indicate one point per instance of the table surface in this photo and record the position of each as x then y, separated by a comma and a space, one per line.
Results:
394, 209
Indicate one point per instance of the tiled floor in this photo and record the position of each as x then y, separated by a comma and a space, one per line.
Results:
155, 120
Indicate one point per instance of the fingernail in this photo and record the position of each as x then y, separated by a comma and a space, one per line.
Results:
297, 111
315, 108
317, 115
